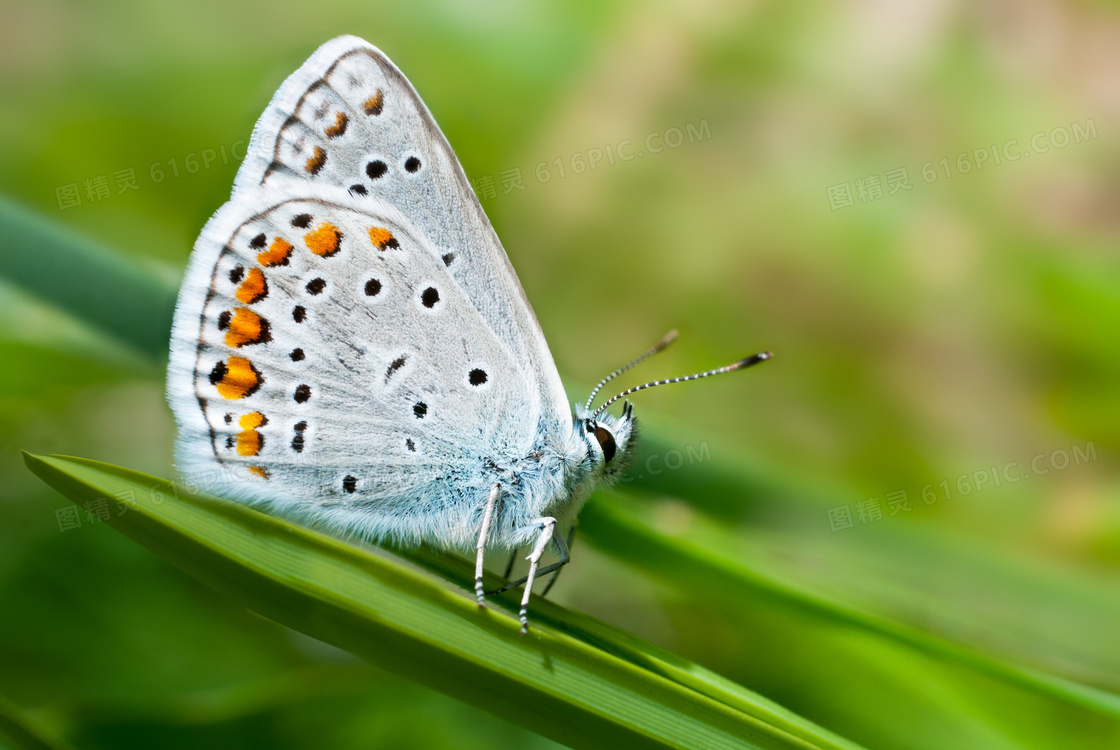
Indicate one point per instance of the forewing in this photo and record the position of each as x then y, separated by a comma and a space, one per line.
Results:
349, 118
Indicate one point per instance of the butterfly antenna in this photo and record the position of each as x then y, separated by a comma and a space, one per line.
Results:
754, 359
667, 339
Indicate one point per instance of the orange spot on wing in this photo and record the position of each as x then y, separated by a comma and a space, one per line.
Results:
252, 420
259, 471
382, 238
324, 241
254, 288
277, 253
372, 106
317, 160
339, 127
246, 327
249, 441
235, 378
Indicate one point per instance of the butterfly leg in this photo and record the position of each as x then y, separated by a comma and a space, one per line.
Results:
562, 549
548, 526
487, 516
556, 573
509, 565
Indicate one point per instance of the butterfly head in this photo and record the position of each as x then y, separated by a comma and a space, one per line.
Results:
610, 440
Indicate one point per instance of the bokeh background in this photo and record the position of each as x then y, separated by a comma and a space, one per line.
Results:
915, 205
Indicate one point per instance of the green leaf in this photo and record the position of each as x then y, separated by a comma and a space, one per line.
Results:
854, 666
625, 536
627, 646
916, 579
84, 278
19, 732
571, 679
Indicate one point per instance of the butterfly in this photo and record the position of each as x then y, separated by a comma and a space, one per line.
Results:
352, 349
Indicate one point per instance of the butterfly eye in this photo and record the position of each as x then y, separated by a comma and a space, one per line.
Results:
606, 442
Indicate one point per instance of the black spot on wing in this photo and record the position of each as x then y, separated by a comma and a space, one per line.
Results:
297, 439
376, 169
395, 365
219, 372
316, 286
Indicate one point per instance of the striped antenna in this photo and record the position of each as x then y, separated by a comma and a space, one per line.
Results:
667, 339
754, 359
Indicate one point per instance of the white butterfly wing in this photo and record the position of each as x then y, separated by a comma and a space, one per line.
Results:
350, 334
322, 349
348, 117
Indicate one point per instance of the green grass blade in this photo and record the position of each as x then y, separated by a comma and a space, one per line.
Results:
637, 651
607, 524
1052, 618
91, 282
553, 682
19, 732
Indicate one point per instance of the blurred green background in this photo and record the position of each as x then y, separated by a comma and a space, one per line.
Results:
914, 205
